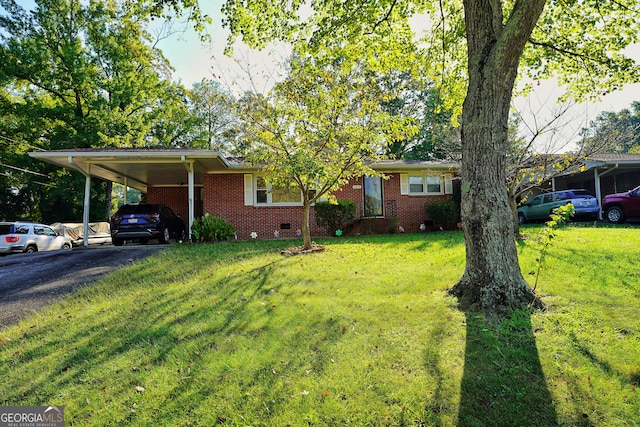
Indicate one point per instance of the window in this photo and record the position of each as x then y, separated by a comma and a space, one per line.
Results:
261, 190
372, 196
426, 184
416, 184
536, 201
420, 184
266, 194
434, 184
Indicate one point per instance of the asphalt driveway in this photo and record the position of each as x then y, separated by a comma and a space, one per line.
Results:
30, 281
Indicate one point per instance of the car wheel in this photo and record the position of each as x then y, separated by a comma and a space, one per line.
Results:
165, 235
615, 215
66, 246
521, 218
31, 248
117, 242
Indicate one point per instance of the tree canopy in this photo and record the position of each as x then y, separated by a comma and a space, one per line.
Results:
476, 49
618, 132
81, 74
321, 126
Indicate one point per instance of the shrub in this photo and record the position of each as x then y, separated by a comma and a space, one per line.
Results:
443, 213
211, 229
335, 216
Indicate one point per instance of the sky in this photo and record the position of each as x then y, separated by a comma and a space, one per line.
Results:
194, 62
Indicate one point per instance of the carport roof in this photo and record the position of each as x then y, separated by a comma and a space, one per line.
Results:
141, 168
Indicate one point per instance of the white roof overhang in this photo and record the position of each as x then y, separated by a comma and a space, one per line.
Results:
140, 169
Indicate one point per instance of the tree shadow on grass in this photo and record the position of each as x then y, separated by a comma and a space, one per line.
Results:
503, 383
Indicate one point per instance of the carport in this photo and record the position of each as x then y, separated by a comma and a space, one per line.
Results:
140, 169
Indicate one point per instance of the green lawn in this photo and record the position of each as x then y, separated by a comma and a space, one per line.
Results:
362, 334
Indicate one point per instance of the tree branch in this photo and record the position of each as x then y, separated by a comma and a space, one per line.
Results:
383, 19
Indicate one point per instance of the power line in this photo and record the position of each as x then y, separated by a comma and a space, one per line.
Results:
24, 170
23, 143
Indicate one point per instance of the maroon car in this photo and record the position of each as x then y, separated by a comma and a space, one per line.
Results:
620, 207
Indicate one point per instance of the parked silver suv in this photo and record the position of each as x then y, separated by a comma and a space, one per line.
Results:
30, 237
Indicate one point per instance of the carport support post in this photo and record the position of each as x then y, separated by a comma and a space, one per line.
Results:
596, 180
191, 184
126, 191
85, 214
191, 200
87, 199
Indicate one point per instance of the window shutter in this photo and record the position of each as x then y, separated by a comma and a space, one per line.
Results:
448, 183
248, 189
404, 184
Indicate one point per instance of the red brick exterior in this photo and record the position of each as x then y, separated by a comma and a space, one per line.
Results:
223, 196
177, 198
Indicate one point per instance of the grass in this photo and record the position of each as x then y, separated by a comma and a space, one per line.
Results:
236, 334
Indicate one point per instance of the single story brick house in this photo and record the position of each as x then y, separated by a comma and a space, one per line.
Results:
198, 182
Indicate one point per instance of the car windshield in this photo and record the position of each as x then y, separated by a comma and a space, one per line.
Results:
6, 228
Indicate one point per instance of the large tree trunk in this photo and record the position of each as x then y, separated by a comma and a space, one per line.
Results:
492, 281
306, 231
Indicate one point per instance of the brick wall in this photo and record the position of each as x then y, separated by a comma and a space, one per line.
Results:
223, 196
409, 209
177, 198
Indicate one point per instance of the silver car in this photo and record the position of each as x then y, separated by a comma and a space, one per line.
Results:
30, 237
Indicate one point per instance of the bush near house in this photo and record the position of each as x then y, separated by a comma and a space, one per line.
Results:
444, 214
335, 216
211, 229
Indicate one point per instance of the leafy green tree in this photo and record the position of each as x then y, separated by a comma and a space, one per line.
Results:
483, 43
212, 110
437, 137
320, 126
78, 74
615, 132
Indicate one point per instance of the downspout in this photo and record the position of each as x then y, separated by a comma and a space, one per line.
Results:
87, 199
191, 184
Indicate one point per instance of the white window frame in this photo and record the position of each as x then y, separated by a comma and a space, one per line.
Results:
251, 193
446, 184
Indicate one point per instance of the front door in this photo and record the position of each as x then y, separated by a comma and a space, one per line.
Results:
373, 196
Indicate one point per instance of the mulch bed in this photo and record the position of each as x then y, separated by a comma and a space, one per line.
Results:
298, 250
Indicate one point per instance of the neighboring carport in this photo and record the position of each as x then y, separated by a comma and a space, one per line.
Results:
603, 174
140, 169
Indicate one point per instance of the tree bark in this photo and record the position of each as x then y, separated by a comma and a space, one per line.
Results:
492, 281
306, 232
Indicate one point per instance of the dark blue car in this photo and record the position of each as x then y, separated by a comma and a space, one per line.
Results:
144, 222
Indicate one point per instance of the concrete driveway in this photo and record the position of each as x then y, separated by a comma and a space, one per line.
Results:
30, 281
